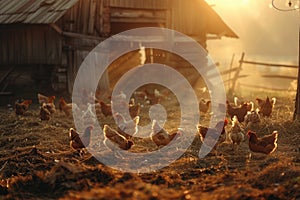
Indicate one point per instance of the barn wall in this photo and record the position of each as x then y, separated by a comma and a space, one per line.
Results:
125, 15
89, 17
189, 17
85, 18
29, 44
122, 19
145, 4
76, 51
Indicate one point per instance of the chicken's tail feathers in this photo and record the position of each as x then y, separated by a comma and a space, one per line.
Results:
155, 126
234, 120
72, 133
105, 128
275, 133
273, 101
252, 106
236, 99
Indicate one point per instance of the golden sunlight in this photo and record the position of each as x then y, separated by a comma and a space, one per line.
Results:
230, 3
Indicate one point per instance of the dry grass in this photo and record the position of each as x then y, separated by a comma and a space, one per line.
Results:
36, 162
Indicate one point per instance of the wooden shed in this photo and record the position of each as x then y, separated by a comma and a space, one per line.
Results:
56, 35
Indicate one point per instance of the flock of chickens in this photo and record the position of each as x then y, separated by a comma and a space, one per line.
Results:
243, 119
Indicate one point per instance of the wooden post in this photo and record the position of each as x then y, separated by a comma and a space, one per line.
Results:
236, 76
106, 29
230, 68
92, 16
297, 104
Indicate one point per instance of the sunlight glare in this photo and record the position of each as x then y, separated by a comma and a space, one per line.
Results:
230, 3
246, 2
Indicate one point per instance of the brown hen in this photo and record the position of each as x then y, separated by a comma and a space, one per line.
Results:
105, 109
113, 139
65, 107
266, 144
45, 114
219, 131
45, 99
240, 111
21, 106
160, 136
266, 107
80, 141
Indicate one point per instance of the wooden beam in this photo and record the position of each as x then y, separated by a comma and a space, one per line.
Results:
92, 17
75, 35
264, 88
240, 76
137, 14
56, 28
237, 74
297, 104
280, 76
6, 74
2, 80
6, 93
229, 70
137, 20
269, 64
82, 36
231, 66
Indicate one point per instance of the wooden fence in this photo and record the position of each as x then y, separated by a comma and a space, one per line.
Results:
234, 74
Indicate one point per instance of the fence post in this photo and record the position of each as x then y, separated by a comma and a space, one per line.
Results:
297, 104
236, 76
230, 67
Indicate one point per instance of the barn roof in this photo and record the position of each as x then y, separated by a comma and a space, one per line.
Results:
216, 25
33, 11
49, 11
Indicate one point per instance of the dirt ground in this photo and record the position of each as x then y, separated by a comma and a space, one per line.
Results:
36, 162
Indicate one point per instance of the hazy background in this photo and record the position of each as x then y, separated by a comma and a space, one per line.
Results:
265, 34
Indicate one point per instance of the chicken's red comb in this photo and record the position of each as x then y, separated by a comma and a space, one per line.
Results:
28, 101
225, 121
250, 132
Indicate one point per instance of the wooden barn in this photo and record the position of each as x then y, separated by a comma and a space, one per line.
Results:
54, 36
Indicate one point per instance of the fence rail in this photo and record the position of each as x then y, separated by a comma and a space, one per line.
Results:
280, 76
262, 87
234, 74
268, 64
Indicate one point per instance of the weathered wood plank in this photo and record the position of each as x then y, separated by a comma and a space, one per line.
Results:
85, 15
6, 93
237, 74
229, 71
297, 103
92, 12
152, 4
6, 74
280, 76
132, 13
137, 20
263, 87
269, 64
82, 36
